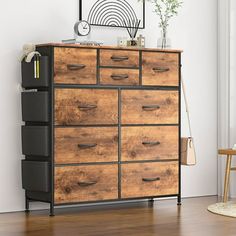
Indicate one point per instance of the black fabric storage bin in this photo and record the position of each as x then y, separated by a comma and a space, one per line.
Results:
35, 140
27, 73
39, 196
35, 176
35, 106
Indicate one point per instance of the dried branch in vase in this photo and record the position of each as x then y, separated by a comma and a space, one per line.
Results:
132, 28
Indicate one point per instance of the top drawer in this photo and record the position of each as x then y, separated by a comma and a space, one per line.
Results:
119, 58
160, 69
75, 66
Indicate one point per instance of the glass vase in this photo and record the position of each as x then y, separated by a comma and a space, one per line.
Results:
163, 42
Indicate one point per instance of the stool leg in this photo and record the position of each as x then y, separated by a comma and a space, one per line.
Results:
227, 176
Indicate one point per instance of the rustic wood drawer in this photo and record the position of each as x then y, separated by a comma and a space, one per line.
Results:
149, 107
119, 58
86, 106
86, 183
84, 145
75, 66
149, 179
119, 76
160, 69
150, 143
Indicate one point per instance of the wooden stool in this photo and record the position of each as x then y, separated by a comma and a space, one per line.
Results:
229, 153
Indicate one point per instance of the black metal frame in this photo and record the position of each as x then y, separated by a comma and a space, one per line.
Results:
81, 17
180, 66
117, 200
49, 51
119, 143
52, 131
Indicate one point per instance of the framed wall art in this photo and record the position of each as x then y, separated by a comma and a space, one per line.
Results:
112, 13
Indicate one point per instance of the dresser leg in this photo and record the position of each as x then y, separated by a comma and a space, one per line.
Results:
52, 209
179, 202
151, 202
26, 205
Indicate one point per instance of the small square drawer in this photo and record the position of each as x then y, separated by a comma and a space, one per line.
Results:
86, 183
35, 176
84, 145
119, 76
86, 106
75, 66
35, 106
150, 143
119, 58
35, 140
27, 73
160, 69
149, 107
149, 179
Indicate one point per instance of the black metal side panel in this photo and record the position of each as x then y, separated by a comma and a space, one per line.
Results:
35, 140
27, 73
180, 124
35, 176
49, 51
35, 106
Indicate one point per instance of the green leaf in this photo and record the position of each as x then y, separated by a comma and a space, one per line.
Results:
165, 9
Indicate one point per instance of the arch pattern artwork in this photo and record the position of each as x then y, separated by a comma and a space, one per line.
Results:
112, 13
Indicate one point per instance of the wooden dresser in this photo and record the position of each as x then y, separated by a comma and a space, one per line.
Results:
101, 124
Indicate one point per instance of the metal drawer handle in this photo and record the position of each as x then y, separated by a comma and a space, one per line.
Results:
87, 107
151, 107
86, 184
151, 179
75, 66
88, 145
160, 69
151, 143
119, 77
117, 58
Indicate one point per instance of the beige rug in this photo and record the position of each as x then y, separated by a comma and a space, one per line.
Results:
224, 209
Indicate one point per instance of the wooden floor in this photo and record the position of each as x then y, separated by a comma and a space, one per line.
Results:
165, 218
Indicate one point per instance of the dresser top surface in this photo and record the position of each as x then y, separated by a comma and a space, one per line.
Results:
109, 47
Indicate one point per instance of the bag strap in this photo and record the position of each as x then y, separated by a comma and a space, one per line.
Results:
186, 106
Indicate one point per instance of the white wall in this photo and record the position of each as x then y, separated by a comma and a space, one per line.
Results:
227, 83
232, 89
194, 31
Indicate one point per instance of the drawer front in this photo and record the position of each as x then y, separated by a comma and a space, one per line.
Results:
86, 183
160, 69
150, 143
149, 107
119, 58
35, 141
84, 145
35, 106
86, 106
35, 175
149, 179
27, 73
119, 77
75, 66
